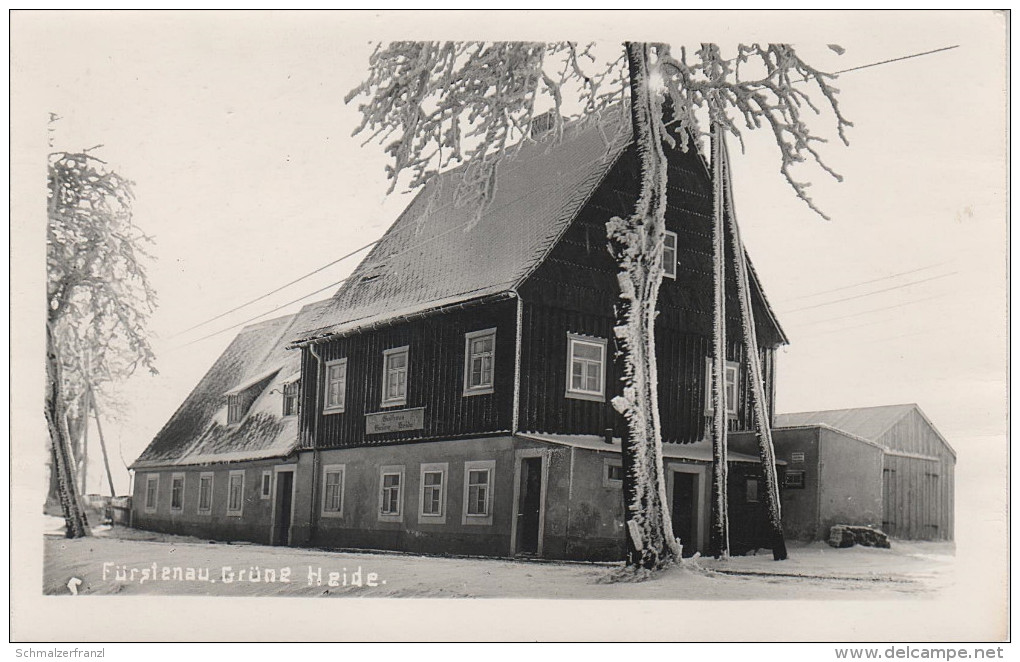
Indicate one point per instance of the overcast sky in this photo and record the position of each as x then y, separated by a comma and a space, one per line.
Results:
234, 129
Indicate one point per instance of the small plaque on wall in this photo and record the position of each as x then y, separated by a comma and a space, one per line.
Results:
400, 420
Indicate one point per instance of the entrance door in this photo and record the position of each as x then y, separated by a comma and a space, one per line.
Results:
529, 505
685, 513
282, 506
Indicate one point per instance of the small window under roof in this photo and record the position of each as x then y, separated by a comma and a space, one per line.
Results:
241, 397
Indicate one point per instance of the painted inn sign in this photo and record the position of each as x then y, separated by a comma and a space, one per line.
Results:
395, 421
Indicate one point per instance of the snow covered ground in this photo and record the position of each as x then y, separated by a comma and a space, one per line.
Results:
133, 562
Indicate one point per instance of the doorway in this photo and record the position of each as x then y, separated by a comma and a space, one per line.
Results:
685, 511
283, 507
529, 506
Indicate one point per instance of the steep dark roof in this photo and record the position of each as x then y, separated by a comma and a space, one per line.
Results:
198, 433
438, 252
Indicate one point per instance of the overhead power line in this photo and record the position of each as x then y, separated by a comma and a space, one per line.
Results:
864, 282
872, 310
348, 255
282, 287
896, 59
268, 312
868, 294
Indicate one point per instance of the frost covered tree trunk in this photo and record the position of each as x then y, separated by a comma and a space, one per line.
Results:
720, 538
636, 242
63, 460
763, 427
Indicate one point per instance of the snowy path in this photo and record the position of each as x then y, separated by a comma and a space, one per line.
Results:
128, 563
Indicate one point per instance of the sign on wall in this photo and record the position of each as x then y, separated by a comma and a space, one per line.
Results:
400, 420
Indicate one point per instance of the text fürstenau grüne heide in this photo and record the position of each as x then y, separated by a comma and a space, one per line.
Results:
307, 575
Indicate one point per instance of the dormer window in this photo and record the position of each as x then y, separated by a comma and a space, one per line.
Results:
290, 398
235, 408
243, 396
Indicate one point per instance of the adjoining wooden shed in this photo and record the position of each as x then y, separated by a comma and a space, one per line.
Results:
918, 465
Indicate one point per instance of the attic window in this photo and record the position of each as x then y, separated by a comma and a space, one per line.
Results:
290, 398
669, 255
235, 408
369, 278
243, 396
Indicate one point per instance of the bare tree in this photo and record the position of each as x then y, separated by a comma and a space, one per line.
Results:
98, 303
436, 105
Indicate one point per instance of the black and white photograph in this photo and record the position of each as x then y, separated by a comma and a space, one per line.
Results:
527, 325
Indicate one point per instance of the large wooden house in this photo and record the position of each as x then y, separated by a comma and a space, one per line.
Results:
454, 395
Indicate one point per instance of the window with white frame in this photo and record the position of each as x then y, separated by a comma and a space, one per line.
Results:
394, 391
732, 383
151, 492
177, 492
586, 367
290, 398
336, 386
205, 487
669, 255
479, 359
235, 493
333, 490
432, 505
391, 493
478, 491
267, 485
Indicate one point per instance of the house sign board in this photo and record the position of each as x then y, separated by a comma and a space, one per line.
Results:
400, 420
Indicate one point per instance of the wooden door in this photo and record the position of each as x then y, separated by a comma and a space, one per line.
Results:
685, 511
529, 506
283, 506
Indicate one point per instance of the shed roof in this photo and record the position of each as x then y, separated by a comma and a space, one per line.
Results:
198, 433
867, 422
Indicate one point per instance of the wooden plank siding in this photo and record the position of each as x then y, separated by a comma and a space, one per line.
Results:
917, 482
435, 379
575, 290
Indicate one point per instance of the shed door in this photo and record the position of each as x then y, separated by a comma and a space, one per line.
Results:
889, 505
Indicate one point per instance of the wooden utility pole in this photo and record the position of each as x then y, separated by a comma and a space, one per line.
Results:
102, 444
84, 460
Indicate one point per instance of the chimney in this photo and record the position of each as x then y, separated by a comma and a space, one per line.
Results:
608, 435
541, 124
